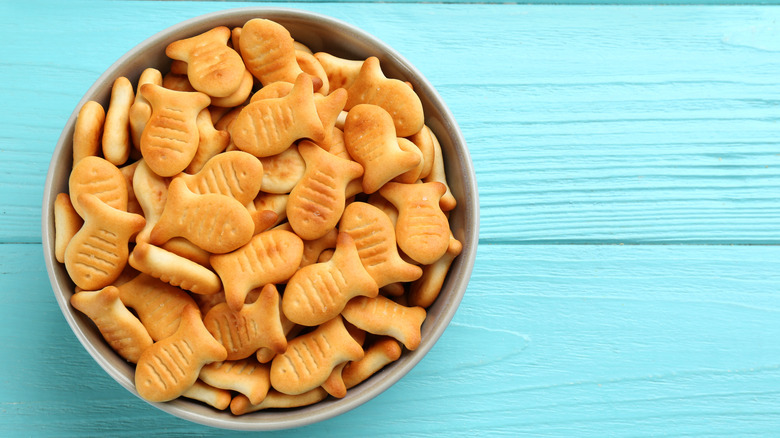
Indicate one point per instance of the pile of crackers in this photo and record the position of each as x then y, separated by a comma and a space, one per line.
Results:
260, 226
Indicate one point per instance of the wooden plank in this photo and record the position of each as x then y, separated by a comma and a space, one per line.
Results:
573, 340
615, 124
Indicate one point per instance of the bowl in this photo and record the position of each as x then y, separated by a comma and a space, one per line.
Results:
320, 33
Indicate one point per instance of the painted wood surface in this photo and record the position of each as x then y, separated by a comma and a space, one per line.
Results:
628, 271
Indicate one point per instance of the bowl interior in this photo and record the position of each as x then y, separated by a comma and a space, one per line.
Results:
320, 33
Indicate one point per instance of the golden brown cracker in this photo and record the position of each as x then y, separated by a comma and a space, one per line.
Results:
318, 292
394, 96
171, 366
269, 257
141, 110
310, 65
67, 223
157, 304
216, 223
311, 357
170, 140
422, 230
97, 253
241, 405
211, 141
317, 201
268, 51
341, 72
174, 269
98, 177
151, 193
212, 67
439, 174
281, 172
239, 96
119, 327
255, 326
269, 126
370, 139
116, 142
245, 376
374, 236
236, 174
424, 291
373, 316
381, 353
88, 131
215, 397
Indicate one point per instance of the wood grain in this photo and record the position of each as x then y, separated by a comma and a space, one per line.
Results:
590, 127
605, 128
576, 340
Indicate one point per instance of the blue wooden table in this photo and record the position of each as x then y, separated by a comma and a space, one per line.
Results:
628, 275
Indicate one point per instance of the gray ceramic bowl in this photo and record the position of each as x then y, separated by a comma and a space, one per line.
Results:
320, 33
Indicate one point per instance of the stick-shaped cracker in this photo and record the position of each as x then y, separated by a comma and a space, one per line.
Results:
98, 253
151, 192
236, 174
66, 224
378, 355
241, 405
171, 366
141, 110
272, 256
396, 97
174, 269
310, 358
371, 140
318, 292
246, 376
99, 177
116, 130
216, 397
424, 141
317, 201
170, 139
424, 291
123, 331
128, 172
269, 126
438, 174
256, 325
422, 230
157, 304
216, 223
382, 316
88, 131
184, 248
212, 66
374, 236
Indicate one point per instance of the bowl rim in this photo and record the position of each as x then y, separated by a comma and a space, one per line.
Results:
283, 419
